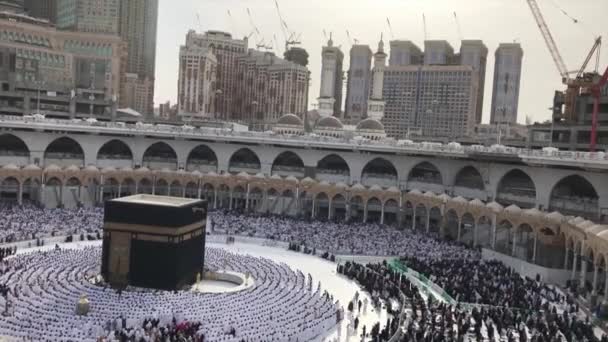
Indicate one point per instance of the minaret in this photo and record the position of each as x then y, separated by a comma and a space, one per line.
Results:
330, 96
375, 108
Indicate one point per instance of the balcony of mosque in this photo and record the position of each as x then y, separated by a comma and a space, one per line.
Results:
467, 192
543, 156
249, 168
577, 206
286, 171
14, 157
332, 176
522, 199
425, 184
382, 180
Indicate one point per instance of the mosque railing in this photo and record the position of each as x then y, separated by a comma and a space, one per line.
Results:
188, 131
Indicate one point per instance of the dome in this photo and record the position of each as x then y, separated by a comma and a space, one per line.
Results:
290, 119
393, 189
291, 179
73, 168
415, 192
126, 169
259, 175
329, 122
143, 169
196, 173
243, 174
533, 212
10, 167
513, 209
341, 185
212, 173
108, 169
308, 180
92, 168
52, 167
357, 186
370, 125
32, 167
376, 187
444, 197
276, 176
460, 199
430, 194
477, 202
494, 206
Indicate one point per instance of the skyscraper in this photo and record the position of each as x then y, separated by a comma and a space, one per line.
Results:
375, 109
507, 76
93, 16
197, 72
475, 54
330, 96
43, 9
405, 52
357, 89
227, 50
137, 27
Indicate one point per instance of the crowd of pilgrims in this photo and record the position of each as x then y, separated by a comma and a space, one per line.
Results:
30, 222
510, 307
430, 320
151, 329
338, 238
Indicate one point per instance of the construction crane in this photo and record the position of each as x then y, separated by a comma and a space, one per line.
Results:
586, 82
260, 43
458, 26
390, 27
290, 37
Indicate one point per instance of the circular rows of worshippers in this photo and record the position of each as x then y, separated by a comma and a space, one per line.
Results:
458, 269
281, 305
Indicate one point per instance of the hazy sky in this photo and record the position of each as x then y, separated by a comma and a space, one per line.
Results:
493, 21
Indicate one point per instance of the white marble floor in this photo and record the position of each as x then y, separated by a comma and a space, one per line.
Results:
321, 270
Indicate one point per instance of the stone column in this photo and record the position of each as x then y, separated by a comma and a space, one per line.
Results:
566, 255
136, 187
20, 194
382, 214
247, 198
493, 234
414, 218
214, 198
534, 249
574, 261
427, 225
199, 191
365, 213
312, 212
475, 232
459, 228
329, 202
230, 204
594, 284
514, 241
583, 275
119, 189
154, 187
184, 190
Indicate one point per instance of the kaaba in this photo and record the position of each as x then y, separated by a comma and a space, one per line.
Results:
153, 241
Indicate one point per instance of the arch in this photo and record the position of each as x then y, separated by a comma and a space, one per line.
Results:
321, 206
208, 193
575, 195
420, 222
523, 241
288, 163
374, 210
191, 190
239, 197
333, 168
467, 233
516, 187
160, 156
13, 146
115, 153
503, 241
202, 158
115, 149
425, 172
110, 188
391, 212
9, 189
484, 232
435, 220
469, 177
451, 225
379, 171
338, 207
356, 208
244, 160
64, 151
128, 187
161, 187
145, 186
176, 189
